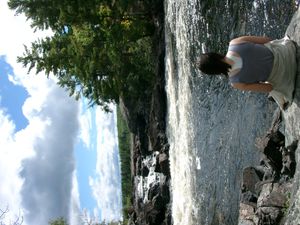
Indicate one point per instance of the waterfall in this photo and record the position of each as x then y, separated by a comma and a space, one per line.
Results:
211, 127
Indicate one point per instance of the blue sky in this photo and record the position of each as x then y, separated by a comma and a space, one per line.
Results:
9, 91
58, 157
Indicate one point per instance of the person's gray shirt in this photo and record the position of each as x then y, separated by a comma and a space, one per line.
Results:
257, 62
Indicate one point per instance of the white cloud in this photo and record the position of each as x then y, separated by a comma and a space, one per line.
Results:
48, 174
9, 167
42, 153
75, 211
14, 148
85, 119
106, 185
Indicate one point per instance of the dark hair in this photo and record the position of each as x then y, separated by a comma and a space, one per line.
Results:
213, 64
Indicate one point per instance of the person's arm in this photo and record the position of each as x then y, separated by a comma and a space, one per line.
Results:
257, 87
253, 39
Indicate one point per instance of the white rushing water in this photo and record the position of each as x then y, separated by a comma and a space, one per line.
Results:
182, 160
144, 184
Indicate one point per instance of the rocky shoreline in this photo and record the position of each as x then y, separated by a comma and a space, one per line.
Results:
150, 149
266, 188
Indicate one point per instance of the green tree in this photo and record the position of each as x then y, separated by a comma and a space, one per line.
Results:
58, 221
56, 14
101, 50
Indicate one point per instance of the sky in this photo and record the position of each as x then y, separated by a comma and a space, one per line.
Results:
58, 157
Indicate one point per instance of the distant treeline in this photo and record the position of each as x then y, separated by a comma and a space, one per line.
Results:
100, 49
124, 151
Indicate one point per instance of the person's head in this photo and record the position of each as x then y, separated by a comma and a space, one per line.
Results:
213, 64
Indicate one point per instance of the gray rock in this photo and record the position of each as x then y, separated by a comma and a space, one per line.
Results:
288, 160
264, 199
292, 128
247, 215
246, 222
250, 178
273, 195
269, 216
164, 164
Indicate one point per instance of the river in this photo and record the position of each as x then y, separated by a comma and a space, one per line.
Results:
211, 127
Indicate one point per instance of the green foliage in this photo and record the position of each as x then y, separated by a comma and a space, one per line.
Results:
100, 49
58, 221
124, 151
287, 203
